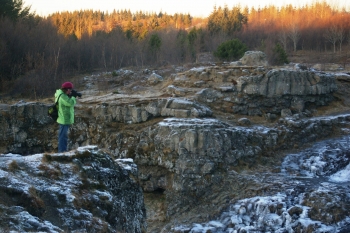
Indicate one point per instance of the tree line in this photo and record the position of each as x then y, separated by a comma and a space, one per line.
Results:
38, 53
136, 25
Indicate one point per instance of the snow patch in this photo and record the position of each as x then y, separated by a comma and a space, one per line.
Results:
342, 175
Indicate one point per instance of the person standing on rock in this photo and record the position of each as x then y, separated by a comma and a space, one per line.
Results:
66, 97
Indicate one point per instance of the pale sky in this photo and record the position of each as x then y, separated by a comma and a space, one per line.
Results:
201, 8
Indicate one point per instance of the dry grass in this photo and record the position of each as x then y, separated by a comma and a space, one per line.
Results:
53, 173
37, 202
46, 158
13, 166
310, 58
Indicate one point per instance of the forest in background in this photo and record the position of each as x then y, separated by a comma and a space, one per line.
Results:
38, 53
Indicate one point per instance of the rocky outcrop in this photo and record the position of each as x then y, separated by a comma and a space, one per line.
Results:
312, 197
190, 159
25, 128
252, 90
70, 192
192, 163
255, 91
279, 83
171, 107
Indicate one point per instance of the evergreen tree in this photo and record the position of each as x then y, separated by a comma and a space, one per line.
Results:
192, 37
280, 55
181, 44
232, 49
226, 21
14, 9
154, 45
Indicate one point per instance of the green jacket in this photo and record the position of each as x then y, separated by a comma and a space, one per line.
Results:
65, 108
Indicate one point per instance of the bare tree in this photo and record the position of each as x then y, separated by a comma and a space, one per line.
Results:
294, 35
341, 37
56, 58
282, 38
332, 36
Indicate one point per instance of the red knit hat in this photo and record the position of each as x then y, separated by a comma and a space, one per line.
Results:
67, 85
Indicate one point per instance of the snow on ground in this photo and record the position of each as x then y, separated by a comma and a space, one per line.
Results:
324, 158
198, 69
255, 215
66, 186
178, 122
274, 214
261, 213
342, 175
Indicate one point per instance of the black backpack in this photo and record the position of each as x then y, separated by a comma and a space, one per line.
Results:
53, 110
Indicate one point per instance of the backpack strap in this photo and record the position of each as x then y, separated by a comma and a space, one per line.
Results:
58, 98
56, 104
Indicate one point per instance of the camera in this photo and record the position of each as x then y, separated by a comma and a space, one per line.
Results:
75, 93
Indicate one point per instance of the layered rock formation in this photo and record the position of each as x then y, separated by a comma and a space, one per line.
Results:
256, 91
27, 129
194, 158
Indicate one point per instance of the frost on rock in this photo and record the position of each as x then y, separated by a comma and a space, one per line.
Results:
81, 190
318, 202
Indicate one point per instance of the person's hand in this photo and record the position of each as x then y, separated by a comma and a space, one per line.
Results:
74, 93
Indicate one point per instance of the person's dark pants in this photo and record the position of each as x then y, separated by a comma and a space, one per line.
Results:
63, 138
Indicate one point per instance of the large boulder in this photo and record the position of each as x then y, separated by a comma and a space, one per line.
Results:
254, 58
70, 192
154, 79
